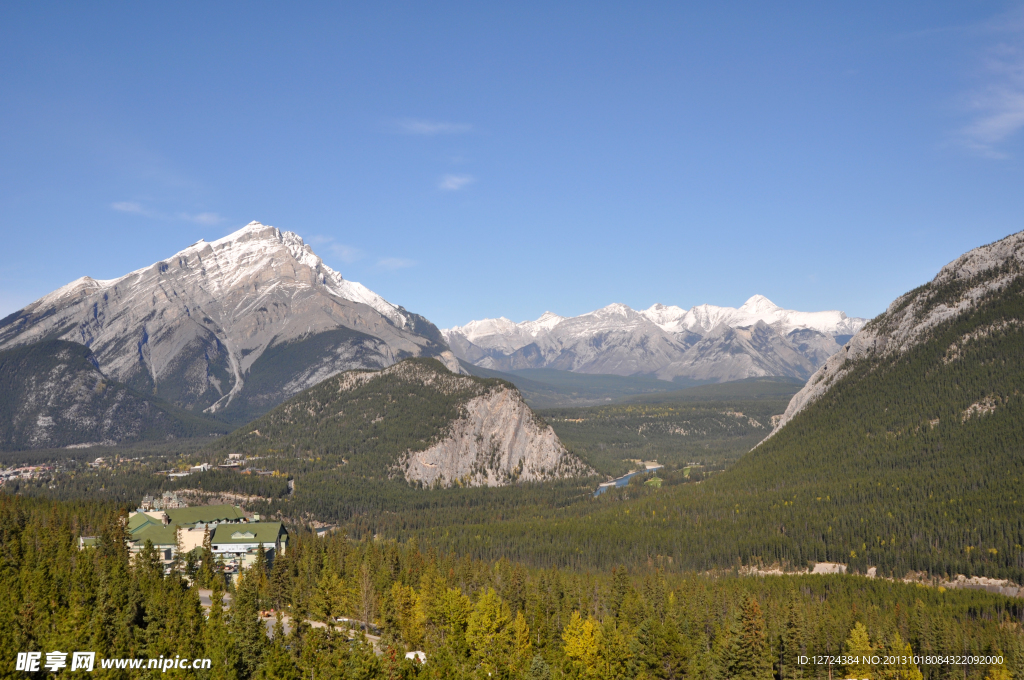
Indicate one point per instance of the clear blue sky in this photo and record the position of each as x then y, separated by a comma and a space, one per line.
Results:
483, 159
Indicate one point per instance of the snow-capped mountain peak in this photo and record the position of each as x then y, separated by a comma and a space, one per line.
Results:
198, 322
759, 304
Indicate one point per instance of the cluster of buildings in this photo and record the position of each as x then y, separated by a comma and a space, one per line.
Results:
28, 472
169, 501
175, 529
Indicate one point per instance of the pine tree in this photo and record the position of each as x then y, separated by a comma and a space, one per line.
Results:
858, 646
219, 646
754, 658
904, 667
279, 587
539, 669
247, 629
259, 573
522, 647
582, 638
793, 643
205, 574
489, 633
277, 662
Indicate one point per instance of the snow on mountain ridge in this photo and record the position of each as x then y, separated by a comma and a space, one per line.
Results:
669, 318
704, 342
237, 254
192, 326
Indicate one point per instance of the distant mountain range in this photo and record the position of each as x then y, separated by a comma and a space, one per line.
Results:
702, 344
232, 327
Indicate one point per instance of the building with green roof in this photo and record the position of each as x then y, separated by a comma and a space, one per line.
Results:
140, 521
234, 539
205, 514
163, 538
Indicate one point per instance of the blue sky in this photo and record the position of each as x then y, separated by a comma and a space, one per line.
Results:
483, 159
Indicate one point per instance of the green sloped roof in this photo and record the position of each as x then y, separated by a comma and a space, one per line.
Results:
140, 521
205, 513
158, 535
254, 532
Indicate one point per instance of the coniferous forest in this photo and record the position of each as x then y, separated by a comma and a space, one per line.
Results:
472, 619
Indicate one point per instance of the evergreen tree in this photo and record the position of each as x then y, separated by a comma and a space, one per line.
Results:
205, 573
279, 587
217, 641
489, 632
753, 661
540, 670
582, 638
247, 629
903, 667
858, 646
793, 643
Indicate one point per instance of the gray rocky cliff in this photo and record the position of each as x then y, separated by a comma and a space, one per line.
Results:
498, 441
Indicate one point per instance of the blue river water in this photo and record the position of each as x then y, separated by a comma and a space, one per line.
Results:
624, 479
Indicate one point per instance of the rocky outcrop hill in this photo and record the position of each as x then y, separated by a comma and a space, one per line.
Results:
414, 420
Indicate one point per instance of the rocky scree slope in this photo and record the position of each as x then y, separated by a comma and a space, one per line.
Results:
234, 326
705, 343
54, 396
415, 420
961, 287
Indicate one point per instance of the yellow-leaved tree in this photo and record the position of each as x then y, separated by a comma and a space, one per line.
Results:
582, 638
489, 632
903, 667
522, 649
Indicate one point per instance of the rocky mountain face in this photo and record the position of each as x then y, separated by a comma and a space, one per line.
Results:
414, 420
705, 343
961, 288
234, 326
497, 441
55, 396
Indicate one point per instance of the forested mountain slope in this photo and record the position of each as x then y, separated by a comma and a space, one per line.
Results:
415, 420
53, 396
912, 460
961, 287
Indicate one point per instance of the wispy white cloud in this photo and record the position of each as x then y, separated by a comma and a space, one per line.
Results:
136, 208
455, 182
411, 126
209, 218
394, 263
129, 207
346, 253
996, 105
